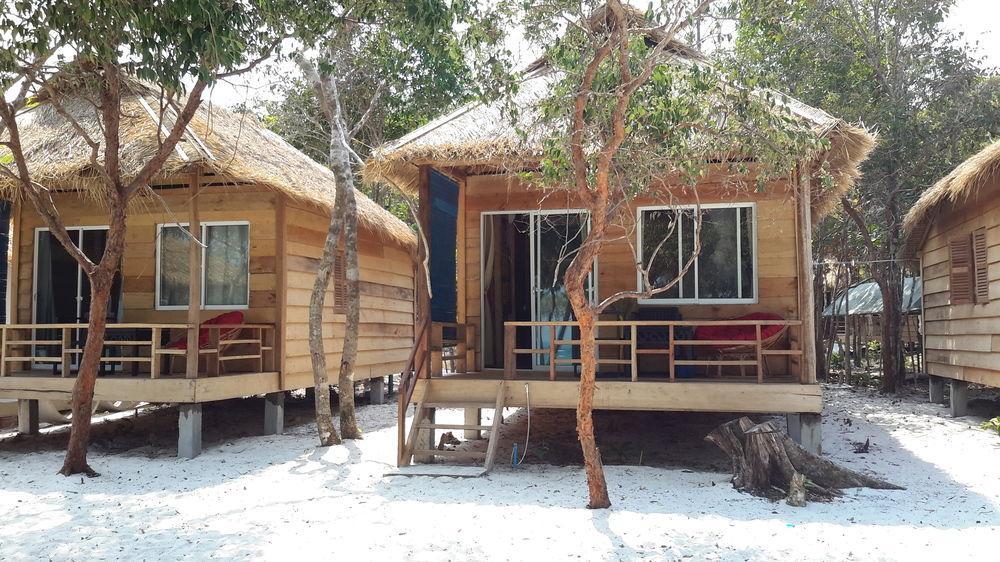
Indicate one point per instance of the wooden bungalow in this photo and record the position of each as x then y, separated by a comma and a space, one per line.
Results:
261, 209
954, 232
506, 331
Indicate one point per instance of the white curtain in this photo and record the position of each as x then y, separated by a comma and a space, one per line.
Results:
227, 264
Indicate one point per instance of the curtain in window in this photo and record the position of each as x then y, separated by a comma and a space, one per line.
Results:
227, 263
174, 267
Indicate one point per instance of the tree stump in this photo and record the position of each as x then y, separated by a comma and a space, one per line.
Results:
767, 463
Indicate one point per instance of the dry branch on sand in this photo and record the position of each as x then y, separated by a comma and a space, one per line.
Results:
767, 463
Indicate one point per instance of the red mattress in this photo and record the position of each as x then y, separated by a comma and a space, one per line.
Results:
748, 333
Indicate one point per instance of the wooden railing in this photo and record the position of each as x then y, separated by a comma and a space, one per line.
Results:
20, 346
456, 343
417, 366
742, 353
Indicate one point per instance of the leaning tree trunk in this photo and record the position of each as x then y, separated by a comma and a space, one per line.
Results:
349, 209
101, 280
767, 463
575, 283
324, 414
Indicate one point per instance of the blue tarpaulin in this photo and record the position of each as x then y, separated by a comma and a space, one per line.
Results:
443, 229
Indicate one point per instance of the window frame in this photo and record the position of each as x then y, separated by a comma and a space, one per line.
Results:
204, 226
754, 299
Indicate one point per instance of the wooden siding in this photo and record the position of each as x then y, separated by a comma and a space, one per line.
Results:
386, 330
256, 205
962, 341
776, 244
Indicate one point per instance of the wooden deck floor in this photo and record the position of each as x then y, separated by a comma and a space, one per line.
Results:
727, 394
41, 384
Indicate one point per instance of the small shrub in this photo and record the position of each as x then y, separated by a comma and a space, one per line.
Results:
992, 425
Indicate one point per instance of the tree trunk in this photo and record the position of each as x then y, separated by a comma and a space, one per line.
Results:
575, 283
101, 281
767, 463
349, 211
324, 414
891, 286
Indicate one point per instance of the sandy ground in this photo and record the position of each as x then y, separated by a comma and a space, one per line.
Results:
277, 497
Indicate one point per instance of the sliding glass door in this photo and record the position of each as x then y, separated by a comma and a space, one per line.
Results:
61, 289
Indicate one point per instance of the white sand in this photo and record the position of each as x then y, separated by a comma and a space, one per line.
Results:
280, 497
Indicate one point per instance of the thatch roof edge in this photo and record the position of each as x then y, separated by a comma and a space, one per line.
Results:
965, 181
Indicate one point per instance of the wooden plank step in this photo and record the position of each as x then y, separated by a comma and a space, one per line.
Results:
452, 426
452, 454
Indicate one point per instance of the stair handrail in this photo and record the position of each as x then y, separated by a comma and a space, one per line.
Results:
407, 380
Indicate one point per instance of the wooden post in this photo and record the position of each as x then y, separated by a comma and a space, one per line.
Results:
806, 299
760, 357
423, 297
670, 352
66, 357
194, 292
552, 354
509, 357
154, 352
635, 354
3, 351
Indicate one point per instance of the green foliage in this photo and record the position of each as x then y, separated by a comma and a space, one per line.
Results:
992, 425
686, 116
163, 41
414, 59
892, 65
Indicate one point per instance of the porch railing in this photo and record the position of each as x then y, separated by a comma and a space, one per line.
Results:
743, 353
137, 344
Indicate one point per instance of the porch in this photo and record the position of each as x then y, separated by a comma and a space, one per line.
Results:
141, 362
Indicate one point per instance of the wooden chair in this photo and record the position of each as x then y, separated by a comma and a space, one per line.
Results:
771, 335
205, 339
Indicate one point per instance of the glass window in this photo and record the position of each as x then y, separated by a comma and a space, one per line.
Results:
724, 268
225, 266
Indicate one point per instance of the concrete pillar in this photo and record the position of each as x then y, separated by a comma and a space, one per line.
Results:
27, 417
425, 437
935, 389
189, 430
376, 391
959, 398
389, 388
473, 416
274, 413
805, 429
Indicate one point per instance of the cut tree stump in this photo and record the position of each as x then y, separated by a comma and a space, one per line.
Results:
767, 463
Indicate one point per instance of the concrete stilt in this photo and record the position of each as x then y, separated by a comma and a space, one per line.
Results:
189, 430
935, 389
805, 429
274, 413
389, 388
376, 391
473, 416
959, 398
27, 417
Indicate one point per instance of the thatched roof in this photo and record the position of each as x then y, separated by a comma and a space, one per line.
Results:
234, 146
963, 182
480, 134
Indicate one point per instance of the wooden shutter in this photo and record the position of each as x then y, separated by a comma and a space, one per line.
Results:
960, 274
340, 283
980, 265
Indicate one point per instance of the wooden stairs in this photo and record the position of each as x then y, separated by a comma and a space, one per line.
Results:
419, 457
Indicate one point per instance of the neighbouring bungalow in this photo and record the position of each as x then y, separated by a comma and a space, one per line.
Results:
735, 336
856, 318
954, 232
261, 209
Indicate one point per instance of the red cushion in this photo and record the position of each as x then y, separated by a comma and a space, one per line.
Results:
740, 332
235, 317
